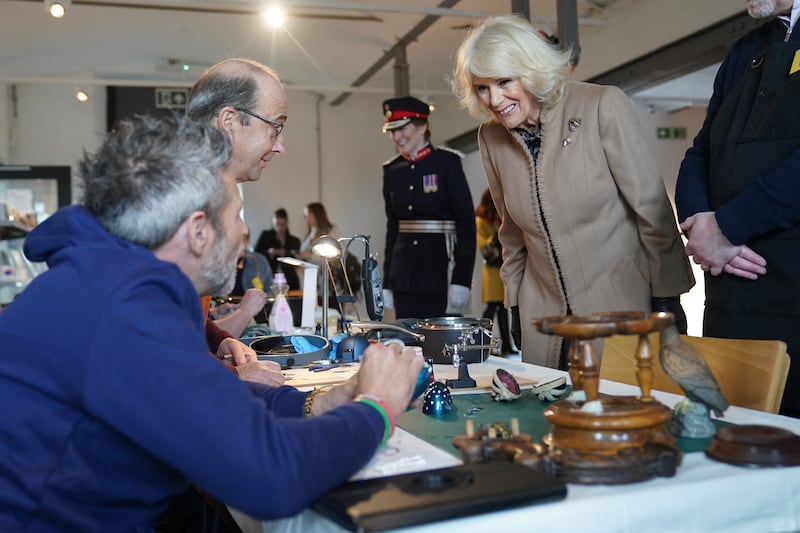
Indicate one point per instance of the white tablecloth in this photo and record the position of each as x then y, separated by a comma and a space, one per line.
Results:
703, 496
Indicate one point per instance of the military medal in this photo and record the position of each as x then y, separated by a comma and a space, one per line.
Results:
430, 183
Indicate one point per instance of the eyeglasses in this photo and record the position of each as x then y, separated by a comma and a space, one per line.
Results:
277, 125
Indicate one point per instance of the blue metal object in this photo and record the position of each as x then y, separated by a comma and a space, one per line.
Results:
423, 379
438, 400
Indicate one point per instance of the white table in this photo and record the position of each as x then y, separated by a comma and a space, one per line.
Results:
703, 496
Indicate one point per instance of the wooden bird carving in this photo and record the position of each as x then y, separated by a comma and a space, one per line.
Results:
686, 367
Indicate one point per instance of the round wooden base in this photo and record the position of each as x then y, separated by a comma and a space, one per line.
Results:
611, 440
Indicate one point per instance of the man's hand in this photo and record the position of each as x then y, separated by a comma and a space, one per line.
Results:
390, 373
247, 365
239, 352
708, 247
276, 252
335, 396
264, 372
253, 301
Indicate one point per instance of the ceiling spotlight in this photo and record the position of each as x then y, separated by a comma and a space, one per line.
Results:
273, 15
57, 8
81, 95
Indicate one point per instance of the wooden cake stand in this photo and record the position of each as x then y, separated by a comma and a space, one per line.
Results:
611, 439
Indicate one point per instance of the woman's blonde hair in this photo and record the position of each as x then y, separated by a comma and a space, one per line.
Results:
509, 47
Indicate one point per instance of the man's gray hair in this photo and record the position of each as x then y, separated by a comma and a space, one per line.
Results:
151, 173
232, 82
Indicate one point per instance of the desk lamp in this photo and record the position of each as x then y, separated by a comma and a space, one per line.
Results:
326, 247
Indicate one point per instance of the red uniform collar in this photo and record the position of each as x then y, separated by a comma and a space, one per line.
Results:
422, 153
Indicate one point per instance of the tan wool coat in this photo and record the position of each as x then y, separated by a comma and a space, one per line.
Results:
591, 226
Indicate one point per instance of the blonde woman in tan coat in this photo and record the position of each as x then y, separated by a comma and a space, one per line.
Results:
587, 225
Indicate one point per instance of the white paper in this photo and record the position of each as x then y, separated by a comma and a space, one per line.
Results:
404, 453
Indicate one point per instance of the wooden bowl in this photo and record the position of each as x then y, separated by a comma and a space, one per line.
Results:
754, 445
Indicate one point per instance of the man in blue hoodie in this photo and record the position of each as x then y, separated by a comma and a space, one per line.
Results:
113, 403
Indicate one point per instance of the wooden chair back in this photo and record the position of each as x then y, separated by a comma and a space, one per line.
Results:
750, 373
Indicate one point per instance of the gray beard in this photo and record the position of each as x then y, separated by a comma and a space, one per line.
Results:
220, 271
760, 9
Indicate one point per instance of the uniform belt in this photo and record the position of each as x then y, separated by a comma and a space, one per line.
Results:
427, 226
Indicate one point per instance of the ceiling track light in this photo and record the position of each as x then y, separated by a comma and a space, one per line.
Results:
57, 8
273, 15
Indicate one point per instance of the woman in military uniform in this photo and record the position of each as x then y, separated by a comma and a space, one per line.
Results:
430, 221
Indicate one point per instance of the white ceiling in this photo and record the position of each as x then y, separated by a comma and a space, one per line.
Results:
324, 47
691, 90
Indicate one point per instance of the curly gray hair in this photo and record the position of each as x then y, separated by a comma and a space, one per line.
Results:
151, 173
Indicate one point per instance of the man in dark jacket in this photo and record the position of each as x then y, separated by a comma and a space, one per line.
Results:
279, 242
738, 195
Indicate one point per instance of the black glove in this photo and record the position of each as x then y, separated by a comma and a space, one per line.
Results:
516, 328
671, 304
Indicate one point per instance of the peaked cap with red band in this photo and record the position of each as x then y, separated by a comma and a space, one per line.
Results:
399, 111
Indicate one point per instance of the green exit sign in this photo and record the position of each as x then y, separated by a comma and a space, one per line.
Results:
671, 133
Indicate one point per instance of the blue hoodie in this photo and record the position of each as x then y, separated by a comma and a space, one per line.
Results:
112, 403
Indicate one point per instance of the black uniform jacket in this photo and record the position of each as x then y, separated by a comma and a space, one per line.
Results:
433, 187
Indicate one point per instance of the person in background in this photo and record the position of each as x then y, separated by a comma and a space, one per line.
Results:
110, 420
279, 242
487, 223
253, 275
252, 270
318, 224
245, 100
587, 225
430, 221
738, 194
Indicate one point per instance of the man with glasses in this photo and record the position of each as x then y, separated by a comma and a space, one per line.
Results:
246, 100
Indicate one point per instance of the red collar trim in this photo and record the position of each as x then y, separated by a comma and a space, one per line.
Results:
422, 153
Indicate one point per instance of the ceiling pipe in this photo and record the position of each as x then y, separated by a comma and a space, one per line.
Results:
567, 13
402, 83
521, 8
404, 41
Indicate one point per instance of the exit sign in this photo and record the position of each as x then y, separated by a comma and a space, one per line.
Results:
171, 98
671, 133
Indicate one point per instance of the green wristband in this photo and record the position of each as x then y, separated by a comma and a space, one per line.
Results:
380, 406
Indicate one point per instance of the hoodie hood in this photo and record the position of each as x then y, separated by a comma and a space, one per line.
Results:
71, 228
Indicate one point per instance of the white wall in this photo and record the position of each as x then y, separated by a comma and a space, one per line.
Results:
668, 154
48, 126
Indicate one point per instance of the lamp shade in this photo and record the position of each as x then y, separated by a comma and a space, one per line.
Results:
327, 247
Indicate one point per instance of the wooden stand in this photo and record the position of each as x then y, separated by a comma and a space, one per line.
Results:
609, 439
498, 442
